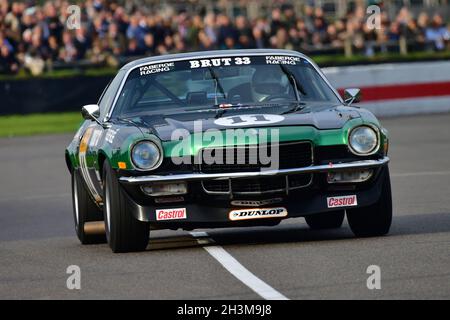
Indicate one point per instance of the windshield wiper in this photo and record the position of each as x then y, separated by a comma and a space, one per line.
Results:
299, 106
129, 120
221, 110
217, 85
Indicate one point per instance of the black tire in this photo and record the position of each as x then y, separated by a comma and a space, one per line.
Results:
84, 210
329, 220
374, 220
123, 232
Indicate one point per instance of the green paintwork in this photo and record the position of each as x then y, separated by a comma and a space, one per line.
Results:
121, 152
285, 134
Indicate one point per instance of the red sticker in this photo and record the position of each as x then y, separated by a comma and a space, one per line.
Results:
344, 201
171, 214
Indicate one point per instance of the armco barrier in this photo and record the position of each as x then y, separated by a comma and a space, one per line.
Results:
397, 89
49, 95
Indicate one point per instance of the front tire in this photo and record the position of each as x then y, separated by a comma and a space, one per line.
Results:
329, 220
84, 210
374, 220
123, 232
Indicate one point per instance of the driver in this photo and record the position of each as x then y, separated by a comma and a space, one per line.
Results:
268, 84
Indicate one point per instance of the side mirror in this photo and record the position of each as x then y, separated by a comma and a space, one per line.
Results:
91, 112
352, 95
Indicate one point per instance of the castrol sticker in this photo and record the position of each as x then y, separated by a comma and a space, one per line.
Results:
344, 201
171, 214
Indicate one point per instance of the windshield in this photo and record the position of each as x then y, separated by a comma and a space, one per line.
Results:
208, 83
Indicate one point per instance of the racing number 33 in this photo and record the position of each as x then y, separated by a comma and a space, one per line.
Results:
218, 62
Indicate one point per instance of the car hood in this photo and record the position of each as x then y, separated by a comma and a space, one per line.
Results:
319, 116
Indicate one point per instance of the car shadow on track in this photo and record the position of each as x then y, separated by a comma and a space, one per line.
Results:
426, 223
293, 232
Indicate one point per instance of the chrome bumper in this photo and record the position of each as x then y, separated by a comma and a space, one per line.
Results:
264, 173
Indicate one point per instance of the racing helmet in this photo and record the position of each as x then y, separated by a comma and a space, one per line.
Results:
268, 82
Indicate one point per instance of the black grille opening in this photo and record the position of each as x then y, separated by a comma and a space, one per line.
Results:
299, 180
220, 186
254, 158
258, 185
338, 153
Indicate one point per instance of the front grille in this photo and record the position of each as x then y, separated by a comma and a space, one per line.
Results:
248, 158
249, 186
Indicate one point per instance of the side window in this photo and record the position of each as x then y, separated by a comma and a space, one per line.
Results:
110, 92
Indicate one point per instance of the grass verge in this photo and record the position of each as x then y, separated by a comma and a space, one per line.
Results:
46, 123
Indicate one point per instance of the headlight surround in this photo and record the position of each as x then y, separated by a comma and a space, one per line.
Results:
364, 140
146, 155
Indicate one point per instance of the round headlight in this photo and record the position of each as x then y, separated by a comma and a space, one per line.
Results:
146, 155
363, 140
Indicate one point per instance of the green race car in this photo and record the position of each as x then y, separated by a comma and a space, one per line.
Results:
225, 139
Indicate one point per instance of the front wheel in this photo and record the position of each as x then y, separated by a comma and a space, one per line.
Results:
374, 220
123, 232
329, 220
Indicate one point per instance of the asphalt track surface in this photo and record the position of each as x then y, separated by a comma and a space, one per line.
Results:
38, 243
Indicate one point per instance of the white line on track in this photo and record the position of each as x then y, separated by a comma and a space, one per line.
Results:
423, 173
238, 270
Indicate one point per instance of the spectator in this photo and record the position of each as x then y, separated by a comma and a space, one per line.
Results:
414, 35
115, 40
205, 42
259, 37
68, 52
245, 36
210, 28
437, 33
276, 23
82, 42
53, 47
54, 24
394, 32
34, 33
149, 44
226, 33
136, 32
38, 48
8, 63
12, 21
5, 42
133, 49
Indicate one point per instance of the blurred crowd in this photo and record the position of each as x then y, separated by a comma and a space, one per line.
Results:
35, 36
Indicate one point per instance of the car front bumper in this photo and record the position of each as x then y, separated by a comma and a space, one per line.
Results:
207, 213
365, 164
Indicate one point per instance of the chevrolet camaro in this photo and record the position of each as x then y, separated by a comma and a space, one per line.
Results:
224, 139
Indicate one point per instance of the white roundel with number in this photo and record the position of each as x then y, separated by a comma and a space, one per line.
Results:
248, 120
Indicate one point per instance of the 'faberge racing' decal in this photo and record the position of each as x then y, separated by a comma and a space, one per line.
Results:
156, 68
282, 60
219, 62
